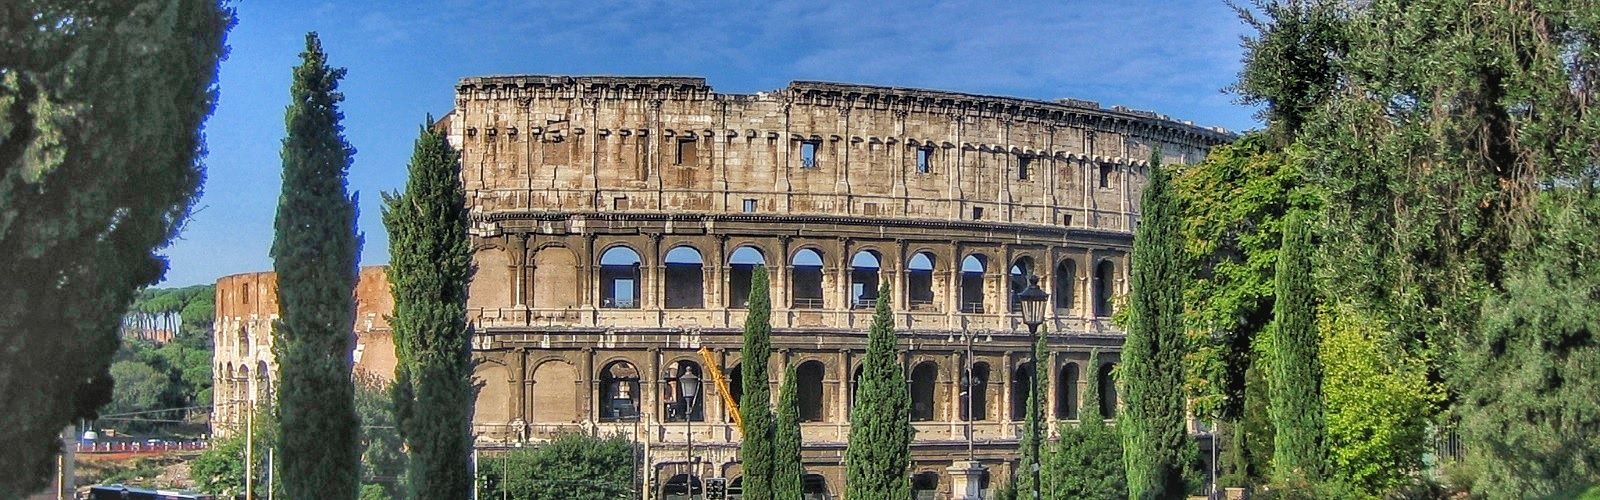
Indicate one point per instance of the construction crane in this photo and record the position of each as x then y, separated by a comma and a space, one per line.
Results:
722, 386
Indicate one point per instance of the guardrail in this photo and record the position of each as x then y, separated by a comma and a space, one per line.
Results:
138, 447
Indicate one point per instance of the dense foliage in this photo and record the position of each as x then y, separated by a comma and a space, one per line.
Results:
1296, 392
220, 470
429, 262
383, 457
571, 466
755, 402
1378, 404
1152, 422
788, 471
314, 254
878, 456
101, 108
1086, 462
1028, 474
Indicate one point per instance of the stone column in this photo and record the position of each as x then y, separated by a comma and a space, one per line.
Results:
966, 480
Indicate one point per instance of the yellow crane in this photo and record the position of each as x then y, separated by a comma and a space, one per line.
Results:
722, 386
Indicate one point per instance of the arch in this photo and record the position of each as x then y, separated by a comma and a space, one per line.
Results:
244, 341
919, 280
1018, 275
619, 391
492, 393
805, 283
685, 273
924, 383
735, 387
1066, 281
619, 278
264, 382
865, 267
1108, 391
925, 485
975, 393
1021, 387
741, 266
555, 278
491, 282
1105, 279
736, 488
553, 397
973, 268
855, 385
814, 487
682, 487
675, 406
809, 390
1067, 392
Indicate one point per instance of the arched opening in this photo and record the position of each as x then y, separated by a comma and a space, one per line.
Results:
741, 266
1067, 393
736, 488
808, 389
491, 282
864, 268
244, 341
924, 381
735, 387
855, 386
814, 487
555, 271
1021, 387
1105, 279
619, 278
1108, 391
554, 396
919, 281
925, 486
678, 408
619, 391
1066, 280
683, 487
263, 382
685, 279
806, 283
1019, 273
972, 269
491, 395
246, 389
975, 387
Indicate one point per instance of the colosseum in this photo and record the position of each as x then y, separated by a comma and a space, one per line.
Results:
617, 220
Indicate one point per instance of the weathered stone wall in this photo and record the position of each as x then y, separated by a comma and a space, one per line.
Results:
615, 218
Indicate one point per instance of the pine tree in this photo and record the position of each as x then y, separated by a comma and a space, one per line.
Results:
788, 471
755, 404
1152, 423
314, 254
1086, 462
879, 453
430, 259
101, 108
1033, 428
1296, 390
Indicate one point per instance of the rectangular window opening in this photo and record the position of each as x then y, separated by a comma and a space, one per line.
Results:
686, 152
749, 205
924, 160
808, 154
1105, 176
977, 213
1024, 165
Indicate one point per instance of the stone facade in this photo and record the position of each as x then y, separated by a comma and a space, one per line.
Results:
616, 221
244, 372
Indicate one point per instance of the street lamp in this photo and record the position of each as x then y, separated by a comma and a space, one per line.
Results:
1033, 302
688, 391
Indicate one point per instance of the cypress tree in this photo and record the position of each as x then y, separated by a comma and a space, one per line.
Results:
755, 405
101, 108
1086, 462
1296, 389
787, 468
1152, 422
429, 260
879, 453
314, 254
1033, 429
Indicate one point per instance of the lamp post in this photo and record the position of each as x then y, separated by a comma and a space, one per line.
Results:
688, 391
968, 475
1033, 303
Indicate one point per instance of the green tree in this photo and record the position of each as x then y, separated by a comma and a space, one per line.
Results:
138, 387
1086, 462
1296, 368
788, 471
1378, 404
878, 455
571, 466
220, 470
1290, 64
101, 107
314, 254
429, 260
1152, 422
383, 461
755, 403
1030, 467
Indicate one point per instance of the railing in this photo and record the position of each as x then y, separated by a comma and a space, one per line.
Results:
513, 320
972, 307
808, 302
138, 447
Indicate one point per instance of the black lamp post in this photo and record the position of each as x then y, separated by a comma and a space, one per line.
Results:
1033, 303
688, 392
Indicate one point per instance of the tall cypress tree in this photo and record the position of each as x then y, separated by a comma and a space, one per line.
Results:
1027, 479
755, 405
1152, 422
1296, 389
787, 468
879, 452
314, 254
1086, 462
429, 260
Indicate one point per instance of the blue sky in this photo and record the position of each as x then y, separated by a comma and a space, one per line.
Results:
405, 57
